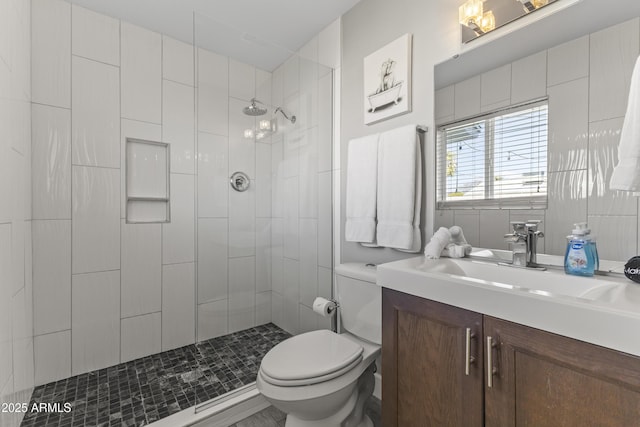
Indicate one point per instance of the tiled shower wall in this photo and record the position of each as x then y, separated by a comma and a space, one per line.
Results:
301, 168
587, 81
16, 336
105, 291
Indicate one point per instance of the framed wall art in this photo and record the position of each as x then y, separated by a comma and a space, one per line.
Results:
387, 81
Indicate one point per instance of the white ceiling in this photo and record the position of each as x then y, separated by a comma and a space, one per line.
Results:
259, 32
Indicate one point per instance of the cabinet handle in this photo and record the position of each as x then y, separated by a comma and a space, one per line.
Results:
468, 358
491, 371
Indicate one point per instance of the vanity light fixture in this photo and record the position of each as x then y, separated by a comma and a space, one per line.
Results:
531, 5
471, 15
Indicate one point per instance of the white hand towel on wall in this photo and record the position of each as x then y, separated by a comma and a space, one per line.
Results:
399, 189
626, 174
361, 197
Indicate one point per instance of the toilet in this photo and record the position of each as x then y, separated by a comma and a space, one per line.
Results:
323, 378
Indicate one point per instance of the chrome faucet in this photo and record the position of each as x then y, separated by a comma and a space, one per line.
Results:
524, 243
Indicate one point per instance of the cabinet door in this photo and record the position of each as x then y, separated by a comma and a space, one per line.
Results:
424, 352
542, 379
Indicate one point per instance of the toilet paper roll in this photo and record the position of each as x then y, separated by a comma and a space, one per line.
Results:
323, 306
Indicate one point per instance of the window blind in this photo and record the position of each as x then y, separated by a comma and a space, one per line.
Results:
497, 160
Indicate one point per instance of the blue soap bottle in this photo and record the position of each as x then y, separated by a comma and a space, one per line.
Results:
579, 258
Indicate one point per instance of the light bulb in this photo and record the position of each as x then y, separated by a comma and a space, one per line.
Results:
265, 125
248, 133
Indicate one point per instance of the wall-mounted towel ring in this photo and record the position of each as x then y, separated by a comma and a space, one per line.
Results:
239, 181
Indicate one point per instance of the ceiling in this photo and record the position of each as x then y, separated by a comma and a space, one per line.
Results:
263, 33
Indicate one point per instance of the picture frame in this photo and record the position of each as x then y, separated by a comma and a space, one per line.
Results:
387, 81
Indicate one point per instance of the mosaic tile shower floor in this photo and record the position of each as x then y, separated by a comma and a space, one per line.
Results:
145, 390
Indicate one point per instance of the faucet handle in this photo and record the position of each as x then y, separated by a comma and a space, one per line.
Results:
519, 226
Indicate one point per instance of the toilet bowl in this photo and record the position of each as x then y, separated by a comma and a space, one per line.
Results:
323, 378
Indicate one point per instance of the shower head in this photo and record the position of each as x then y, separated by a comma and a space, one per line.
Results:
253, 109
292, 119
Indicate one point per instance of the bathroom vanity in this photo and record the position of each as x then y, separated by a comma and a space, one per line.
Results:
472, 343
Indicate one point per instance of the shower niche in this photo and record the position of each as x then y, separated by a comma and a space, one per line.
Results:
147, 181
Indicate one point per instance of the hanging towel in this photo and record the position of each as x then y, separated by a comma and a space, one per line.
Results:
361, 198
399, 189
626, 174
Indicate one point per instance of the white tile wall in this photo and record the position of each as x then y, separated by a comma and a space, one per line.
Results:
212, 319
95, 36
178, 305
51, 276
308, 237
263, 308
242, 151
529, 78
141, 246
51, 160
52, 357
95, 324
178, 236
51, 52
467, 98
95, 114
213, 174
141, 74
242, 288
263, 255
495, 88
213, 92
242, 226
177, 125
141, 336
177, 61
242, 80
568, 61
96, 219
213, 251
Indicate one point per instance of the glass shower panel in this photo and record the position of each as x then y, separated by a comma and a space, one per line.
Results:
265, 253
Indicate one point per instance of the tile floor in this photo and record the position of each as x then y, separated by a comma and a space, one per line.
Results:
272, 417
145, 390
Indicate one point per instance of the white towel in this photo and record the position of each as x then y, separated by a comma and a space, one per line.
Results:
399, 189
626, 174
438, 242
361, 198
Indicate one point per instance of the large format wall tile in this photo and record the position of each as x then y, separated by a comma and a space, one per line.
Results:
51, 276
95, 324
212, 319
242, 150
96, 219
568, 61
141, 336
95, 114
141, 268
568, 126
242, 288
277, 249
308, 261
213, 93
603, 148
467, 98
177, 125
567, 192
95, 36
51, 160
51, 52
325, 236
141, 73
242, 81
242, 222
178, 236
213, 251
495, 88
177, 61
612, 233
178, 305
263, 308
213, 174
613, 52
291, 296
291, 217
529, 78
52, 355
263, 255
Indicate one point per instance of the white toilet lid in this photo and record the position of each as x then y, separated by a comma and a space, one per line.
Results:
310, 355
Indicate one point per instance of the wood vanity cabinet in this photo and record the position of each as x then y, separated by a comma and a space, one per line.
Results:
539, 379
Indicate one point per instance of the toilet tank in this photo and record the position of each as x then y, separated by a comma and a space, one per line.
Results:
360, 301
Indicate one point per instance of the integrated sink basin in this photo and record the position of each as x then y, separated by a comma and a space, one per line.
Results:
550, 282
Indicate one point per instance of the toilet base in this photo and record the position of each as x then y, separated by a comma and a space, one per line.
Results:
352, 412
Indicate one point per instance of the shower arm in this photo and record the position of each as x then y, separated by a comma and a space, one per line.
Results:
292, 119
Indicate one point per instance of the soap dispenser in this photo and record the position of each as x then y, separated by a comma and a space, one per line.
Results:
579, 258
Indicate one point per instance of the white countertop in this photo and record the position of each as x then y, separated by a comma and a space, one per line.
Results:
611, 319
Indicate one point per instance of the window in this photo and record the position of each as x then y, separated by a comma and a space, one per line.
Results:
498, 160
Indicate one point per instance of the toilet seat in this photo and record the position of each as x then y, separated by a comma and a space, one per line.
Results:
310, 358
